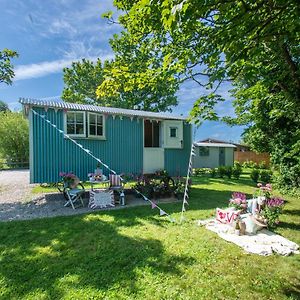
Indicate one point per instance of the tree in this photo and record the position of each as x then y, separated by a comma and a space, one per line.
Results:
83, 78
3, 106
81, 81
6, 67
147, 88
14, 139
252, 44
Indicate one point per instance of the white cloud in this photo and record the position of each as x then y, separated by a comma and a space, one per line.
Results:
48, 67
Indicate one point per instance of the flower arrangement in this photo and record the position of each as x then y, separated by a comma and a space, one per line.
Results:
272, 210
263, 191
69, 179
270, 207
95, 176
238, 201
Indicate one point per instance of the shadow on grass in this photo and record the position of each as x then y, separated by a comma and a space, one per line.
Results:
78, 252
293, 292
293, 212
209, 180
287, 225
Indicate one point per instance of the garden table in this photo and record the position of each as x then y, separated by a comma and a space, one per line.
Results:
93, 182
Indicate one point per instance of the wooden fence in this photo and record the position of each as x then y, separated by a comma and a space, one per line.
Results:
241, 157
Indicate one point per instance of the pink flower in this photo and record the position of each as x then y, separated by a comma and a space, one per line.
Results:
238, 201
269, 187
259, 185
239, 195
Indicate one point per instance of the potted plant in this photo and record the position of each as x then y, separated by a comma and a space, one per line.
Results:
69, 179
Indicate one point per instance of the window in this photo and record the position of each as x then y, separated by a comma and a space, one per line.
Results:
173, 132
96, 125
151, 134
204, 151
75, 123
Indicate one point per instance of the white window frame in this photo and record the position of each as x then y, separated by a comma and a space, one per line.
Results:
83, 135
176, 132
101, 137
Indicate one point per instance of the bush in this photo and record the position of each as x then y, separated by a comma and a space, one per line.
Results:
237, 170
237, 164
263, 165
222, 171
288, 180
265, 176
14, 137
201, 171
250, 164
228, 171
255, 175
213, 172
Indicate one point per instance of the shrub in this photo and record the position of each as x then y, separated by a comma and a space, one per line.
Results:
228, 171
14, 139
255, 175
249, 164
201, 171
263, 165
196, 172
222, 171
237, 170
213, 172
265, 176
237, 164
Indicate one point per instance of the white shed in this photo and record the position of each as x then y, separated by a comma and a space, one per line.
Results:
213, 155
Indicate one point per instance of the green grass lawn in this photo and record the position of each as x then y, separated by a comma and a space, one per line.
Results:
135, 254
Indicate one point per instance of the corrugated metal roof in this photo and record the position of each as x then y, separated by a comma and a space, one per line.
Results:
215, 145
109, 110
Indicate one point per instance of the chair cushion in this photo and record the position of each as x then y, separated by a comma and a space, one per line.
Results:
115, 180
74, 192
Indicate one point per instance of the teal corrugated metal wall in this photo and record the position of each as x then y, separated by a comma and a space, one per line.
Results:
176, 160
122, 150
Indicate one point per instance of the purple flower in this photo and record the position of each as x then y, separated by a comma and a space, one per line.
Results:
275, 202
238, 195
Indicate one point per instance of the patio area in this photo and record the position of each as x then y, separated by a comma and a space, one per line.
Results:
17, 202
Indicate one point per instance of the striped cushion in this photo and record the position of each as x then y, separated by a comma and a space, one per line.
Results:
115, 180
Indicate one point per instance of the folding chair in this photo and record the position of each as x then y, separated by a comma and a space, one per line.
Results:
74, 194
116, 184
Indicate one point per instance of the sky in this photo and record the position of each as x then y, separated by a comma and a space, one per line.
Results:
49, 35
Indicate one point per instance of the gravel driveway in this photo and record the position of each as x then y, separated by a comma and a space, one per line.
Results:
18, 203
14, 186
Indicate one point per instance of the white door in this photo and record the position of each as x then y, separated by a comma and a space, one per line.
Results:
173, 134
154, 159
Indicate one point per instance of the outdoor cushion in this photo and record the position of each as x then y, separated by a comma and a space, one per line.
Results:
73, 192
101, 199
226, 216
